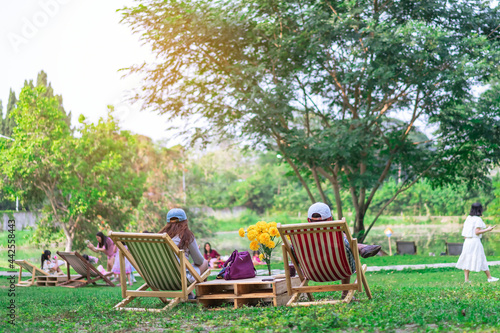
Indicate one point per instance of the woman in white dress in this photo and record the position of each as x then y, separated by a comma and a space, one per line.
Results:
473, 257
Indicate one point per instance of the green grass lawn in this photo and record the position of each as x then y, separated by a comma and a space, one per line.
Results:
419, 300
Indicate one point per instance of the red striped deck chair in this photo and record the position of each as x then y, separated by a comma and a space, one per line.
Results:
319, 255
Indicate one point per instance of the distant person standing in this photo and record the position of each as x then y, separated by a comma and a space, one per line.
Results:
473, 257
106, 246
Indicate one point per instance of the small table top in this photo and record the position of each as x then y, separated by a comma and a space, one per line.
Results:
254, 280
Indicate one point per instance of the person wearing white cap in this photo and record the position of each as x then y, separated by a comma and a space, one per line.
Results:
177, 228
320, 212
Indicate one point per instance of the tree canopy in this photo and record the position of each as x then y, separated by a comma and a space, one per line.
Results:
85, 182
341, 89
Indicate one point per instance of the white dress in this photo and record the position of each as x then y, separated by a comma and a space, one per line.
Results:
472, 257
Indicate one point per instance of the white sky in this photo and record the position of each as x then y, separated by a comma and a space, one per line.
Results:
81, 46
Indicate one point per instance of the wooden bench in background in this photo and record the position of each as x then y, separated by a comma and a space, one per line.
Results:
454, 249
404, 247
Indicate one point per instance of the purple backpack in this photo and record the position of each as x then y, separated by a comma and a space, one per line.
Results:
238, 266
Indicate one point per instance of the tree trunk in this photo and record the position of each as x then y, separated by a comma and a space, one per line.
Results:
69, 238
69, 243
318, 185
302, 181
336, 188
338, 201
359, 225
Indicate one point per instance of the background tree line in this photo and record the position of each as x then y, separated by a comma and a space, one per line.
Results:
337, 88
95, 176
264, 183
87, 178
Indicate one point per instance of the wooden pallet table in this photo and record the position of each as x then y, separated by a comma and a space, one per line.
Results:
51, 280
244, 291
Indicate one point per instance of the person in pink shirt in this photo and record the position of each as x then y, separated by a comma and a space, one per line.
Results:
106, 246
212, 256
256, 258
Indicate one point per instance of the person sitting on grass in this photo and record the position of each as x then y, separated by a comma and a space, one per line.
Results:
177, 228
50, 266
211, 255
256, 258
90, 259
320, 212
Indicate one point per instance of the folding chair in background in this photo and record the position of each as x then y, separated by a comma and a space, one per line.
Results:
405, 247
35, 272
318, 253
88, 272
162, 266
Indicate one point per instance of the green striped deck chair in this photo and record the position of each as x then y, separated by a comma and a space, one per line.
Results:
162, 266
35, 272
88, 273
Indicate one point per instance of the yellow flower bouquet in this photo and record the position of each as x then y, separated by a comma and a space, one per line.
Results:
264, 237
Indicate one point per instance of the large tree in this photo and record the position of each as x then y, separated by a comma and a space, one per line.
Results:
85, 182
7, 124
337, 87
32, 200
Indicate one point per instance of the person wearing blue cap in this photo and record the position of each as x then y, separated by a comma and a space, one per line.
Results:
177, 228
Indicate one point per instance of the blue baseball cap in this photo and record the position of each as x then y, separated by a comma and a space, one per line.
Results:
178, 213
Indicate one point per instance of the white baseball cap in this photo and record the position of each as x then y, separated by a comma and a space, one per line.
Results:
321, 209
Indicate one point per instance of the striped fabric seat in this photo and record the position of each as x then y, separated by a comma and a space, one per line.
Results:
35, 272
322, 252
78, 265
157, 262
161, 264
87, 272
322, 256
30, 268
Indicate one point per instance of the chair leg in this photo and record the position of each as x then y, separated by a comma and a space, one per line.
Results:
124, 302
362, 279
365, 283
19, 280
351, 292
293, 299
172, 303
349, 296
108, 281
129, 299
71, 280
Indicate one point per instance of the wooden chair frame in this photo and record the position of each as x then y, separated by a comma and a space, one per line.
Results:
30, 282
295, 292
119, 238
80, 281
